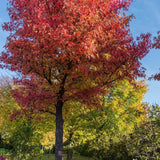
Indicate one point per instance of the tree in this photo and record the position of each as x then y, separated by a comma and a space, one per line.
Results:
102, 128
69, 50
144, 142
7, 105
22, 133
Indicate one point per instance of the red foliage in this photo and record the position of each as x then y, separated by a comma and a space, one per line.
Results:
156, 45
50, 40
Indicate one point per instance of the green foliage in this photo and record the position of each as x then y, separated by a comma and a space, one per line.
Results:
7, 106
24, 132
123, 129
25, 141
95, 131
4, 151
116, 151
144, 143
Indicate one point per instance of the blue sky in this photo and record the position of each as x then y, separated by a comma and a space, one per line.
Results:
147, 19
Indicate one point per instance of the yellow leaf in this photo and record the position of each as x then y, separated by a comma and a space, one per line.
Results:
107, 55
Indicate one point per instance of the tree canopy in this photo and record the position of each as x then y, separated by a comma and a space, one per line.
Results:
70, 50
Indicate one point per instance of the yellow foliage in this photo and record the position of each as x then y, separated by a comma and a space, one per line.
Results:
107, 55
123, 109
48, 139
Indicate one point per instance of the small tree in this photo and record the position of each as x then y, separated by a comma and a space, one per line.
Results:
25, 140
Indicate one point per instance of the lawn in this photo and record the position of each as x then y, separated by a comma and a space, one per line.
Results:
6, 153
51, 157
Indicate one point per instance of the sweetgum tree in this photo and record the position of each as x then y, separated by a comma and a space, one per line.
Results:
69, 50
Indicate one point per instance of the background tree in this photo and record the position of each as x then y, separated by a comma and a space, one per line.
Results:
48, 142
144, 142
22, 133
89, 130
69, 50
7, 107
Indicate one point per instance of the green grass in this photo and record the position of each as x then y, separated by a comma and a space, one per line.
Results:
46, 157
52, 157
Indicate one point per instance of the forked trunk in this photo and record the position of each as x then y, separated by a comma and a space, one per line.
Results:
59, 132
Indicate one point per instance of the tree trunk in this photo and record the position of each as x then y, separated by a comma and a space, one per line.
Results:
59, 121
70, 151
59, 132
69, 154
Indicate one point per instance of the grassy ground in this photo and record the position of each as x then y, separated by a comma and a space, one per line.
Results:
6, 153
51, 157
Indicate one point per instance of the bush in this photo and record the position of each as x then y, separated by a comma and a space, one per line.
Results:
25, 142
4, 151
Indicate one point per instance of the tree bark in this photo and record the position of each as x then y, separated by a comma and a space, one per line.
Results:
59, 121
59, 131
